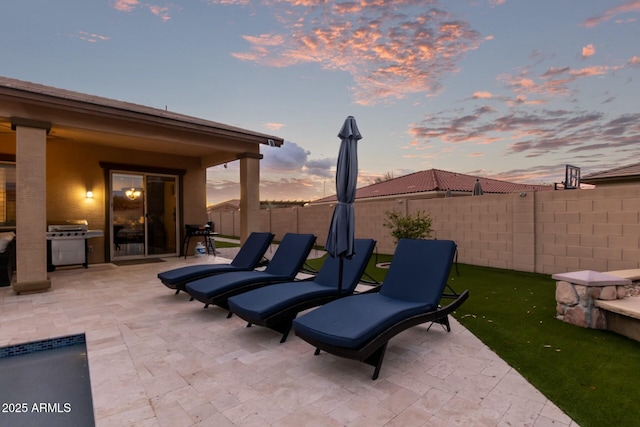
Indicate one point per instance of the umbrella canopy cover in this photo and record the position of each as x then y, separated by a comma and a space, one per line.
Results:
477, 188
341, 231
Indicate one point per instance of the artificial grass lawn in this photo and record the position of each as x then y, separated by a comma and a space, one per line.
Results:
223, 244
592, 375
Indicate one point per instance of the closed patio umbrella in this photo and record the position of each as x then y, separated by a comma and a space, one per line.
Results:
341, 231
477, 188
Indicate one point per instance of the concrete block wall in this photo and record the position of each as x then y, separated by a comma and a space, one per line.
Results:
284, 220
370, 218
315, 220
544, 232
483, 227
588, 230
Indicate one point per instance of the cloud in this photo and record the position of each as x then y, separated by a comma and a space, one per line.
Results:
161, 11
125, 5
271, 188
131, 5
91, 37
388, 49
588, 50
274, 126
533, 132
608, 14
634, 61
291, 157
321, 167
555, 81
482, 95
538, 174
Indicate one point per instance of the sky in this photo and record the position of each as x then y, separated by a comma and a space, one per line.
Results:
505, 89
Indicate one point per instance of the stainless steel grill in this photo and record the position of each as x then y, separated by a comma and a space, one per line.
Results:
67, 243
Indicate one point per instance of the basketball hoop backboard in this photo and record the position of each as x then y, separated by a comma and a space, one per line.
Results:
571, 177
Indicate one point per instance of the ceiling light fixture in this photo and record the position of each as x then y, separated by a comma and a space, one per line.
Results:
132, 194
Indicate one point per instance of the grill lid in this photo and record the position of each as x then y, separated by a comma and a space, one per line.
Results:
69, 225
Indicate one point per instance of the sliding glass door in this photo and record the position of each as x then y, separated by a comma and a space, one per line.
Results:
143, 215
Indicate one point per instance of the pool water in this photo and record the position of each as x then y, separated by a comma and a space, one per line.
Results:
46, 384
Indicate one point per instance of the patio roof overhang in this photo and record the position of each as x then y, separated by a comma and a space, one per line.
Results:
33, 116
89, 119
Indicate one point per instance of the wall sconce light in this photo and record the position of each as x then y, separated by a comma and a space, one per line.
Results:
89, 194
523, 194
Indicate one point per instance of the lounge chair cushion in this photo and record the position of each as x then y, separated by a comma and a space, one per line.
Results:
415, 277
247, 258
192, 272
211, 286
353, 321
291, 247
413, 285
263, 302
353, 268
283, 267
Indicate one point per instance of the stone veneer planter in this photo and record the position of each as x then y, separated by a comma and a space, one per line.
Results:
577, 292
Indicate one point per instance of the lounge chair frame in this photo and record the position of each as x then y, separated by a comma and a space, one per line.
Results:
220, 299
281, 321
372, 352
263, 261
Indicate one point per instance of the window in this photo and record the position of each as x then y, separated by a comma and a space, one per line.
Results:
7, 194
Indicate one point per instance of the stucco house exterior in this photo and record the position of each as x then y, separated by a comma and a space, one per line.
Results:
136, 173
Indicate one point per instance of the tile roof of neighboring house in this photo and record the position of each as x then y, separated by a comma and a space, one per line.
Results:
438, 180
629, 172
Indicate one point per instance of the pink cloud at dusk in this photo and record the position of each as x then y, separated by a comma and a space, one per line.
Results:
388, 53
535, 132
555, 80
125, 5
91, 37
131, 5
482, 95
274, 126
607, 15
588, 50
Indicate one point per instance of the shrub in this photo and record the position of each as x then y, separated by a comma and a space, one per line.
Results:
409, 226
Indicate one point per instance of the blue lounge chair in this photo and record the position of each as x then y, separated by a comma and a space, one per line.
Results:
276, 306
360, 326
283, 267
246, 259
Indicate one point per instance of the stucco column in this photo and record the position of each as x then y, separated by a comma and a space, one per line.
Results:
31, 205
249, 193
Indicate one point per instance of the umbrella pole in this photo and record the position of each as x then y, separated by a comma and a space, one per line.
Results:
340, 269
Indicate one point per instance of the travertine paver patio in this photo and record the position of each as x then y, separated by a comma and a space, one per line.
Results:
157, 359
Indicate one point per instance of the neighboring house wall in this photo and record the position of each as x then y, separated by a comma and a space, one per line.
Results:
544, 232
